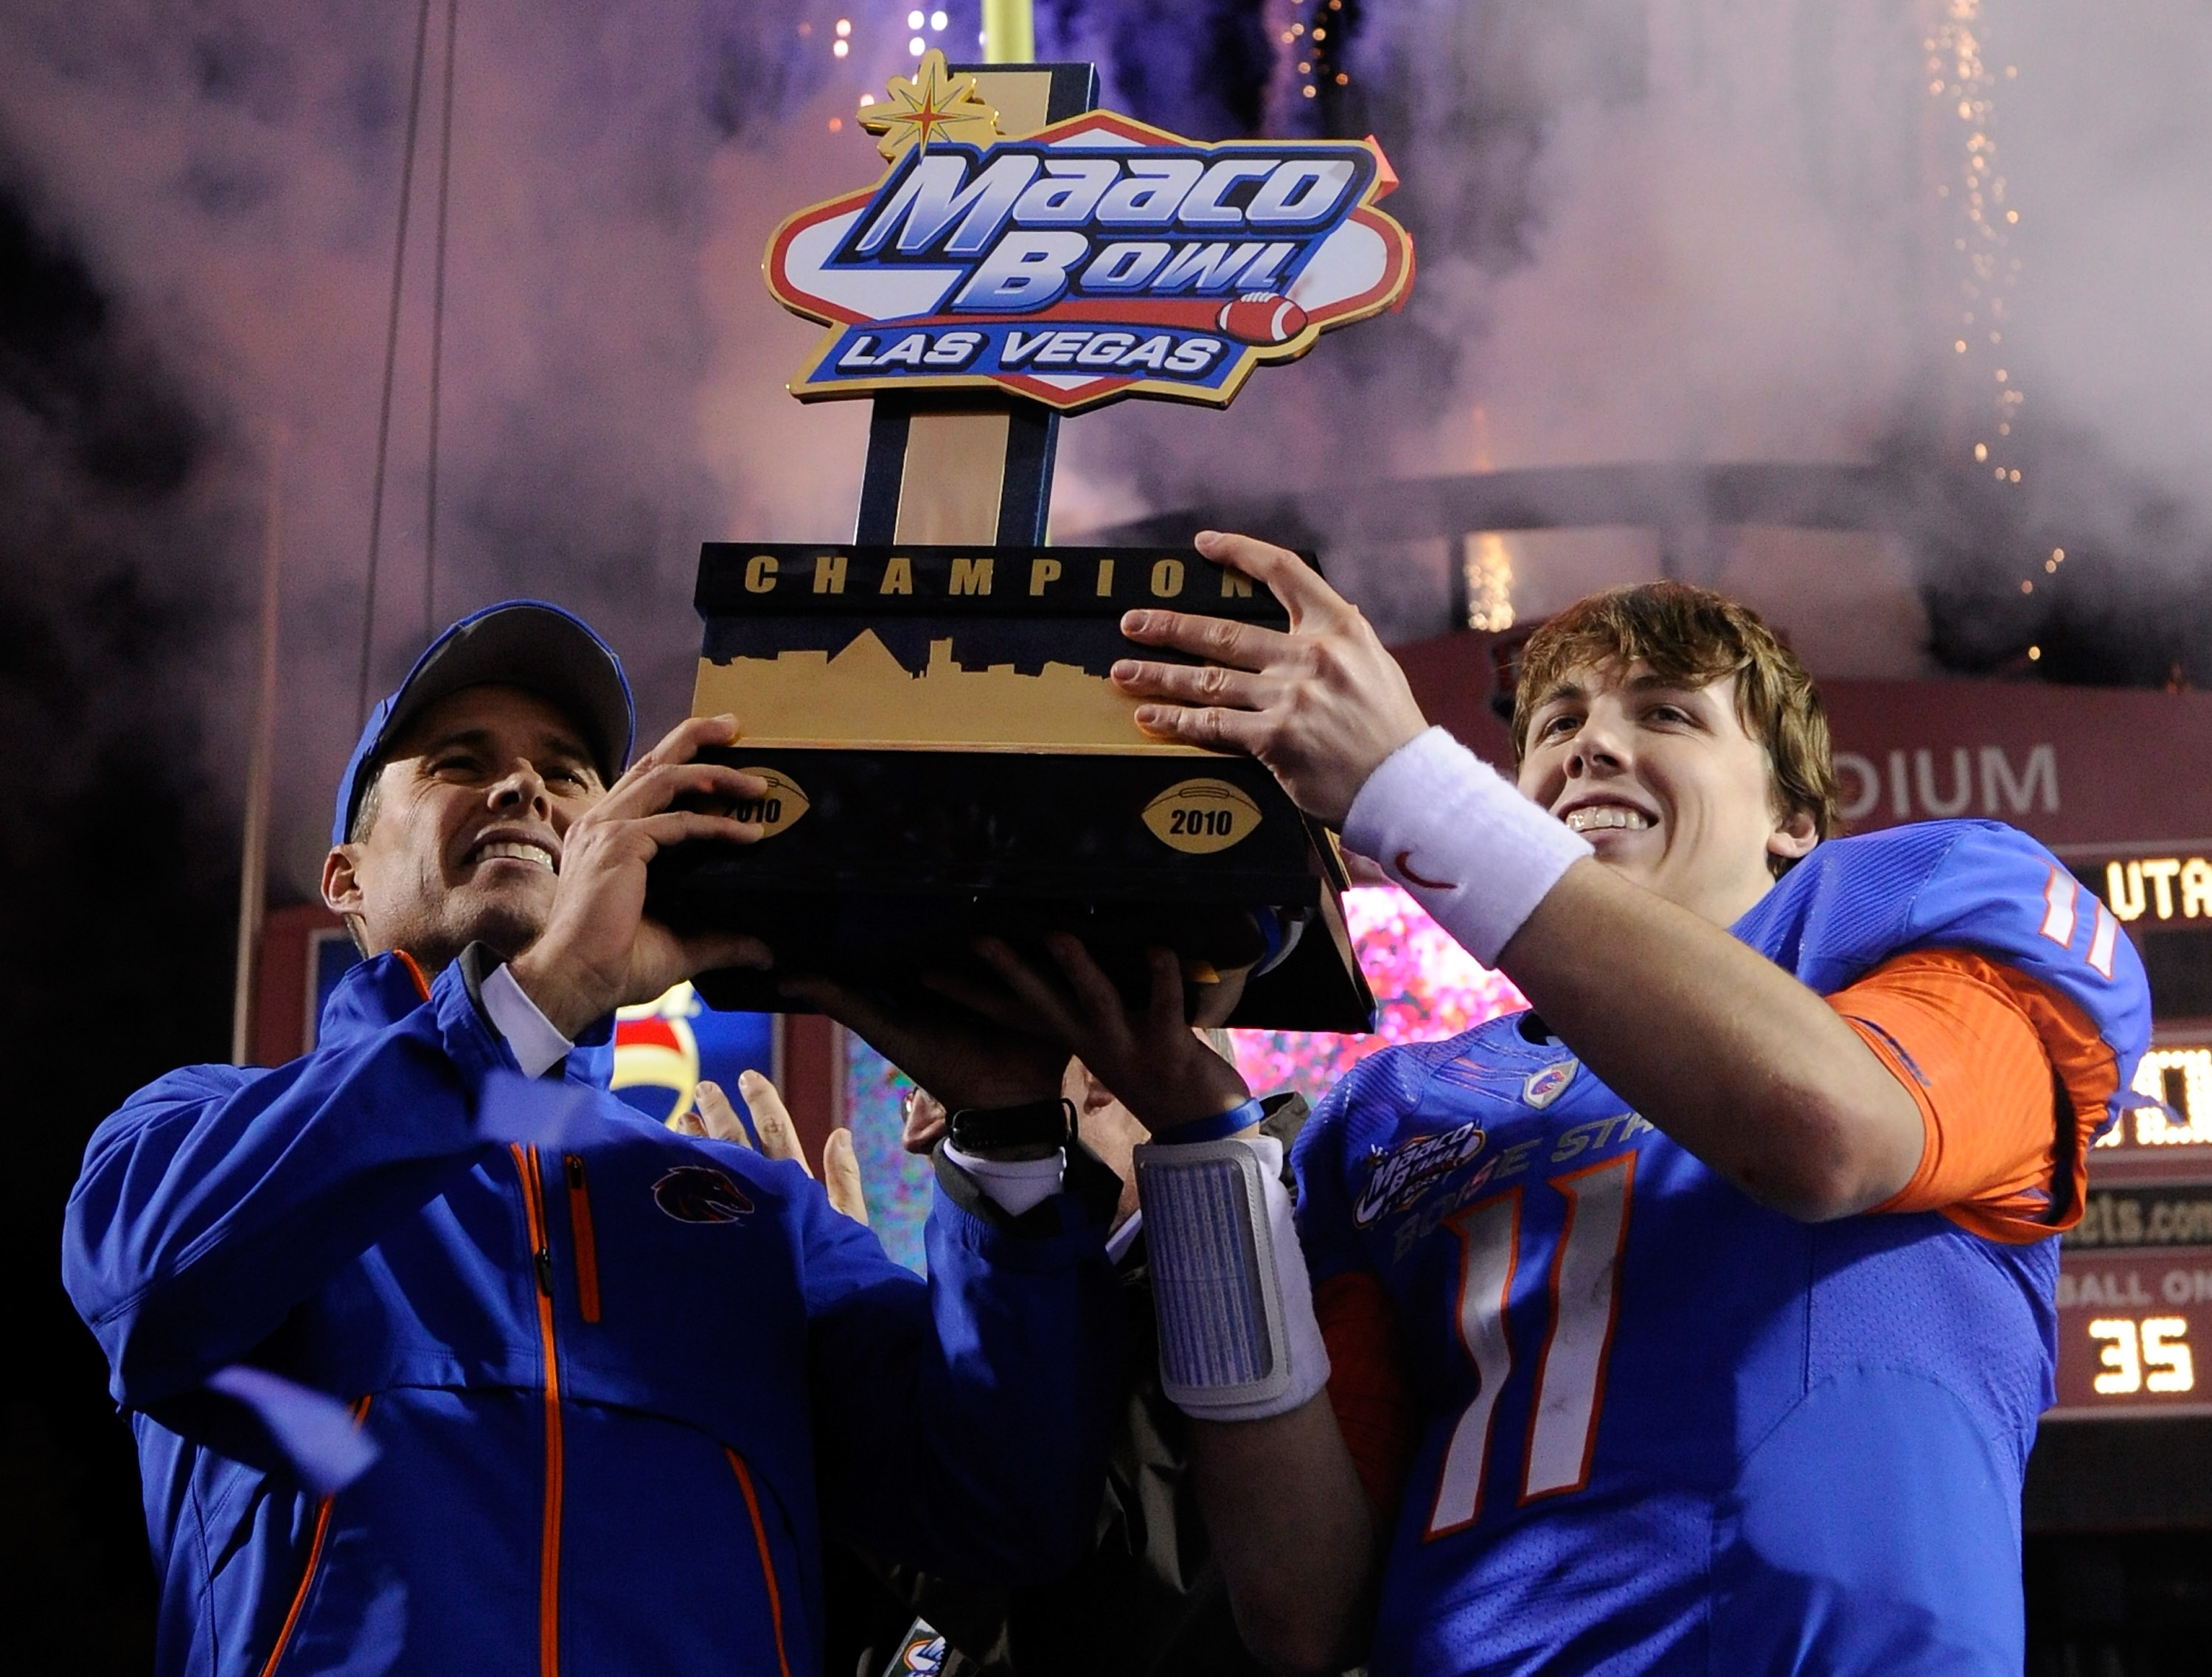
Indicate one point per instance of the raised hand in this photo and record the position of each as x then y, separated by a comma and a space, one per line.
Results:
841, 1177
712, 1115
1321, 707
598, 950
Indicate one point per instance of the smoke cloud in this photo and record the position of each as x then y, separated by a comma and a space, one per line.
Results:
226, 180
1680, 232
1702, 231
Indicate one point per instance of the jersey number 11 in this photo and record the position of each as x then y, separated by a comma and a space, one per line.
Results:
1570, 1367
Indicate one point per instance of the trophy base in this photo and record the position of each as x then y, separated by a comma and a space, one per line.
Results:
881, 865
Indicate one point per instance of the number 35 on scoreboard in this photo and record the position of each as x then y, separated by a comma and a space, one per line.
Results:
2149, 1355
2129, 1326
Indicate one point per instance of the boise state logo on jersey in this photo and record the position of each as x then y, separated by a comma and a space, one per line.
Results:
922, 1652
700, 1194
1542, 1087
1097, 258
1400, 1176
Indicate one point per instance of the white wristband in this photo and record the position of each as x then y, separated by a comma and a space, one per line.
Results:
1015, 1185
537, 1044
1238, 1338
1460, 836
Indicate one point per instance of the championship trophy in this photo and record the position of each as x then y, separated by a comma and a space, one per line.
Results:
929, 702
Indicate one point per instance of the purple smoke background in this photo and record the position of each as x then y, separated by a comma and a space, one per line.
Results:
1697, 230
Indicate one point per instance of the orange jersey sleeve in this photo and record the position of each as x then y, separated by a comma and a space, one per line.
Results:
1367, 1386
1986, 1053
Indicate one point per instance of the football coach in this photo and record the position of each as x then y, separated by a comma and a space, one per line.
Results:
593, 1358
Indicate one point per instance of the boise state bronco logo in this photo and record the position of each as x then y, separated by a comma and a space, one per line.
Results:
1542, 1087
700, 1194
922, 1652
1097, 258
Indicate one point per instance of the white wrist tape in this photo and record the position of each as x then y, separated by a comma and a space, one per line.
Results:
1238, 1341
1460, 836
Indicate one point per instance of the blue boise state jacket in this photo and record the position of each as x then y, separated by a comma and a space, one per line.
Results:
618, 1385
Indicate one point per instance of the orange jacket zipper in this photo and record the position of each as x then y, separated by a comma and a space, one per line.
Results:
541, 1252
314, 1560
579, 1229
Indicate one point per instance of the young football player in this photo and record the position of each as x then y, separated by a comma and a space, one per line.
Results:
1699, 1320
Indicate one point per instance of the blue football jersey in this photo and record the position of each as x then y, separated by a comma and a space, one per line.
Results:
1662, 1428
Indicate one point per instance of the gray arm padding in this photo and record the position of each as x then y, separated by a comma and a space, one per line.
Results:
1238, 1341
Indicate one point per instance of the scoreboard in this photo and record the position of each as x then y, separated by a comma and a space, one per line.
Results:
2135, 1281
2135, 1285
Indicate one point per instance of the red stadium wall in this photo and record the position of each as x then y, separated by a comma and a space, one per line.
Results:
2082, 768
284, 985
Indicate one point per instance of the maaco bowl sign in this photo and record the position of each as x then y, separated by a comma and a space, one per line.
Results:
1094, 259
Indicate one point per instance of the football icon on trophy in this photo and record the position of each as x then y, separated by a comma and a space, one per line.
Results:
933, 697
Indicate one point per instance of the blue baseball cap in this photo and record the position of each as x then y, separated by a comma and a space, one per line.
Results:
524, 643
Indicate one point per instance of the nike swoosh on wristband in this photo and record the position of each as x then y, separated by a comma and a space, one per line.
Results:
1405, 865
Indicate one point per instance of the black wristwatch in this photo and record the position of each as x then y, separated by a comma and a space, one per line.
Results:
1046, 1123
